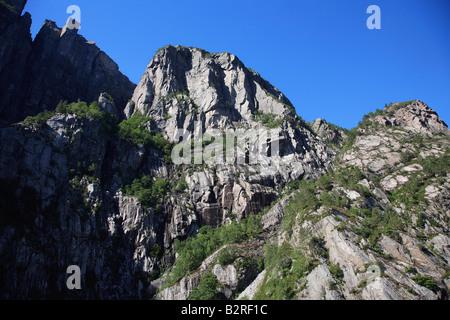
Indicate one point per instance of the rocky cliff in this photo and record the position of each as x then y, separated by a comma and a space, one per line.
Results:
188, 89
374, 228
37, 75
320, 212
79, 175
15, 47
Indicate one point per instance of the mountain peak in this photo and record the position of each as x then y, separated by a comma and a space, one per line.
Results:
414, 116
39, 69
185, 84
385, 139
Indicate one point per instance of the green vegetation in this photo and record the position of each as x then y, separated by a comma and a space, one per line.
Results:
412, 193
367, 123
398, 106
335, 127
183, 98
363, 283
407, 156
110, 98
279, 101
250, 262
149, 193
446, 275
194, 250
334, 199
349, 177
427, 282
269, 120
332, 127
312, 194
336, 272
372, 221
350, 140
178, 93
178, 47
181, 185
208, 54
207, 289
156, 250
8, 6
84, 170
39, 120
436, 166
93, 110
81, 109
378, 112
318, 247
136, 130
303, 202
306, 124
384, 112
165, 47
227, 256
286, 266
377, 222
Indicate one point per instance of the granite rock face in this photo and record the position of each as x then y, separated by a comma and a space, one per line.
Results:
328, 132
388, 237
37, 75
61, 206
216, 90
189, 90
418, 118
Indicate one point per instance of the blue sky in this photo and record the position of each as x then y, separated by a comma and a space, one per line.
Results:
319, 53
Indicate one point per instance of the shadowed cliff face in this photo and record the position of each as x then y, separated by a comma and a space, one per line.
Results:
35, 76
15, 47
61, 205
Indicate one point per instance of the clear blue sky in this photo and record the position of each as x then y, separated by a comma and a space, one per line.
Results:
318, 52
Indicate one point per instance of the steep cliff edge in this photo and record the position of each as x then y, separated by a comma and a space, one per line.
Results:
65, 66
37, 75
15, 47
